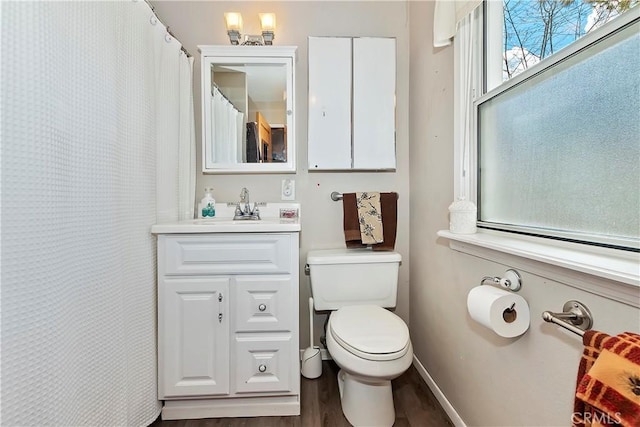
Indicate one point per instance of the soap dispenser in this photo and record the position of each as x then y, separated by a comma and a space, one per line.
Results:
207, 207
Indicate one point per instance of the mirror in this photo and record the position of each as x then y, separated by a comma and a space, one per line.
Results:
247, 107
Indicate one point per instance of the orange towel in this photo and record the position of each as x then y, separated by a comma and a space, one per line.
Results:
592, 341
608, 386
389, 211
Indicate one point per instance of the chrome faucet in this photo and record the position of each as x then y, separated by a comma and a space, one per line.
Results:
244, 198
243, 208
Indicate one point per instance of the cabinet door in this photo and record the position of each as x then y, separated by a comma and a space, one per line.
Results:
329, 138
235, 85
263, 303
374, 92
193, 337
263, 363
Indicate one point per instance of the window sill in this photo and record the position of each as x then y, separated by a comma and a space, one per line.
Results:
574, 264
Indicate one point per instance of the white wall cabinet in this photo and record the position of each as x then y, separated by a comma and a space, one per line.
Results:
228, 325
352, 87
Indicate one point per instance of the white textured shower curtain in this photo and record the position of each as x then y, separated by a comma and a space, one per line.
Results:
174, 109
89, 114
227, 127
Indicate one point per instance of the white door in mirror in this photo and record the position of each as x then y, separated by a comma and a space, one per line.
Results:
288, 189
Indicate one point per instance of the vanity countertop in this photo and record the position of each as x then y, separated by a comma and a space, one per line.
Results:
227, 225
223, 222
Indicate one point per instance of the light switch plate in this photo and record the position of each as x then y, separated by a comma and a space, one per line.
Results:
288, 189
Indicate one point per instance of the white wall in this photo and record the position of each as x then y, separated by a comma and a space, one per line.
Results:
195, 23
490, 381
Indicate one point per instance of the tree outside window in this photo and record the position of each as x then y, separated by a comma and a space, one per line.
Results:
535, 29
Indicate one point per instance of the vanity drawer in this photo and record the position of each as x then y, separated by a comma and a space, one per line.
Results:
263, 303
263, 363
231, 253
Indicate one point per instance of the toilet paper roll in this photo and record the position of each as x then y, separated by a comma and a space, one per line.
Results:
504, 312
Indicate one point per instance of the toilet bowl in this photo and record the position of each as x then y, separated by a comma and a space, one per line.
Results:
369, 343
371, 346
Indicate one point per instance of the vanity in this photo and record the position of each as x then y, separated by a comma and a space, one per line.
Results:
228, 330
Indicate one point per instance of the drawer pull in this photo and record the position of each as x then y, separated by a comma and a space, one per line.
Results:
262, 307
262, 368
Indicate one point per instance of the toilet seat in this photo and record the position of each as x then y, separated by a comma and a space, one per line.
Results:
370, 332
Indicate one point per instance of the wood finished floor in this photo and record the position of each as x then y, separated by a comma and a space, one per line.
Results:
415, 406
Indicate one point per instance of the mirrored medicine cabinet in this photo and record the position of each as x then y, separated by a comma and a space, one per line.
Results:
248, 115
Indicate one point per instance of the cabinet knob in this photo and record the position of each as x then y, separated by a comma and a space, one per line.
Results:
262, 368
262, 307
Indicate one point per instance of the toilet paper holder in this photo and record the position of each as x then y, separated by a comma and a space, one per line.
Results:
511, 280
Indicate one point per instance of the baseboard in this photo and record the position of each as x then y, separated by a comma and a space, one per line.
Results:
324, 353
268, 406
442, 399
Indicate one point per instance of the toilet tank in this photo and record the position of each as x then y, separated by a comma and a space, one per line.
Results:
341, 277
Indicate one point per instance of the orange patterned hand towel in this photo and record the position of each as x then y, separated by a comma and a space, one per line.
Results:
592, 341
610, 386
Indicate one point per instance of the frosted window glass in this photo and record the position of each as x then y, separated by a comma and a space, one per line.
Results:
561, 150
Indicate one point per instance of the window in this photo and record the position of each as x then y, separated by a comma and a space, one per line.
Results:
558, 151
533, 30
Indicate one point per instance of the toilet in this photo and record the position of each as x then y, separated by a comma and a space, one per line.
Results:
370, 344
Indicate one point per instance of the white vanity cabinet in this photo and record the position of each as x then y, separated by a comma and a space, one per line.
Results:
228, 324
352, 88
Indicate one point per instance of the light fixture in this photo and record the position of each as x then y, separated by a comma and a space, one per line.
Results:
233, 21
268, 26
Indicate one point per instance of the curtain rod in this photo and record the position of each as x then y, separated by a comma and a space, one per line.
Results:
153, 10
216, 87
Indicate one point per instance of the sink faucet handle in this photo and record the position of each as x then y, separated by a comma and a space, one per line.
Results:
244, 195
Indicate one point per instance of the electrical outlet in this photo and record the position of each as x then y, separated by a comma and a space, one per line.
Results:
288, 189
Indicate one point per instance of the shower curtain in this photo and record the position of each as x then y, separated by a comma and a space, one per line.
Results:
227, 126
97, 145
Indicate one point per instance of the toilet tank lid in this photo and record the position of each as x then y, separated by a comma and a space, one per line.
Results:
350, 256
